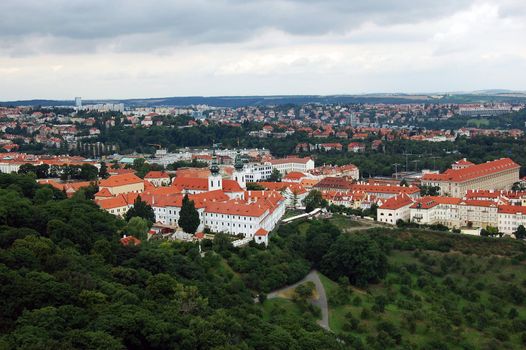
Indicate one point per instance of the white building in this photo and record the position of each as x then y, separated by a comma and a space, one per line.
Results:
286, 165
510, 217
394, 209
258, 172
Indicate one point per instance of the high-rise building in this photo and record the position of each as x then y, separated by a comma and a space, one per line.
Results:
78, 102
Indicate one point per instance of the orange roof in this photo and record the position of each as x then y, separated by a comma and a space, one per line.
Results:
119, 201
130, 240
294, 175
157, 175
236, 207
148, 185
305, 182
103, 193
473, 171
120, 180
69, 187
193, 172
397, 202
261, 232
512, 209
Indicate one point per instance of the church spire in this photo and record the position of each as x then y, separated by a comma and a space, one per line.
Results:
238, 164
214, 168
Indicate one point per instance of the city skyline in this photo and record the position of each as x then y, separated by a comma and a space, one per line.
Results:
120, 49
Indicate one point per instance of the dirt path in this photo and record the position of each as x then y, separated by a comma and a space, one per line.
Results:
320, 302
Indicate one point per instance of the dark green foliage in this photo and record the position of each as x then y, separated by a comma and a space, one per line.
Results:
67, 283
314, 200
275, 176
188, 216
141, 209
360, 258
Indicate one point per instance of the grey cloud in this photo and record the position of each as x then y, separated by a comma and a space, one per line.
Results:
36, 26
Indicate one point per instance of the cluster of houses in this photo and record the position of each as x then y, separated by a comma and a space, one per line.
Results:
223, 205
471, 196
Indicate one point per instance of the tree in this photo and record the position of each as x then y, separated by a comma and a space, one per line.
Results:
103, 172
314, 200
188, 216
137, 227
275, 176
43, 195
360, 258
141, 209
520, 233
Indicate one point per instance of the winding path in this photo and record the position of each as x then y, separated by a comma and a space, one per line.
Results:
321, 302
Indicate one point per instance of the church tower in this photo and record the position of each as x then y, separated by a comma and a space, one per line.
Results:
239, 172
215, 181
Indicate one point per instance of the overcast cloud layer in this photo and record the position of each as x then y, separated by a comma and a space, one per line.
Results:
131, 48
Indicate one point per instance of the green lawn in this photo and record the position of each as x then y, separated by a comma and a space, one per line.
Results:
467, 272
343, 222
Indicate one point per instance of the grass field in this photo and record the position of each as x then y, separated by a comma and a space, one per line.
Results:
458, 303
344, 222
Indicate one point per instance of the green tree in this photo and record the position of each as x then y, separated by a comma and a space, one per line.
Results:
138, 227
103, 172
188, 216
520, 233
314, 200
275, 176
141, 209
360, 258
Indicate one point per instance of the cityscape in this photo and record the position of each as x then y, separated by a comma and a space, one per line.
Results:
278, 199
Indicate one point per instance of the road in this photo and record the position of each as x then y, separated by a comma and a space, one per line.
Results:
321, 302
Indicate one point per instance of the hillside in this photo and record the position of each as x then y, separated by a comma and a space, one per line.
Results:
66, 282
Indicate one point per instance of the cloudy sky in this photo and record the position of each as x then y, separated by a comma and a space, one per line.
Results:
135, 48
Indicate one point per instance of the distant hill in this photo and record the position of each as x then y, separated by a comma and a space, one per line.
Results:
240, 101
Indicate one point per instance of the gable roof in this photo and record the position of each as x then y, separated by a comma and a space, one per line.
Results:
157, 175
397, 202
120, 180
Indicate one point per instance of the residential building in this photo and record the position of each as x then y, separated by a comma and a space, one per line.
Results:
394, 209
286, 165
499, 174
122, 184
158, 178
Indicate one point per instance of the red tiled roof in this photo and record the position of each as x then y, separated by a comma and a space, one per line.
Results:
120, 180
122, 200
236, 207
130, 240
334, 182
294, 175
396, 202
157, 175
261, 232
512, 209
103, 193
474, 171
